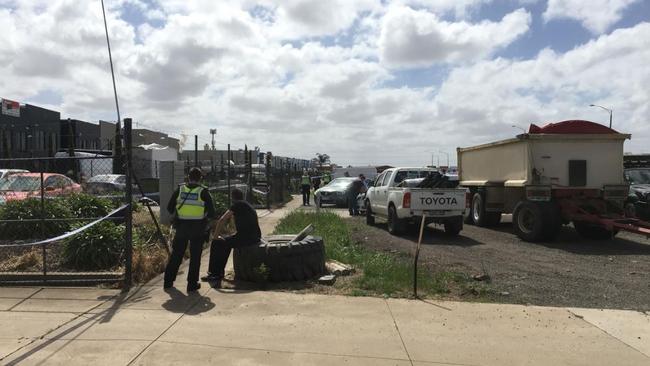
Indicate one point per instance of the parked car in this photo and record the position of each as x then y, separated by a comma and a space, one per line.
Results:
335, 192
404, 195
115, 185
637, 204
21, 186
106, 183
7, 172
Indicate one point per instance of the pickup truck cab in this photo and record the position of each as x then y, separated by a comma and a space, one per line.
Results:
395, 196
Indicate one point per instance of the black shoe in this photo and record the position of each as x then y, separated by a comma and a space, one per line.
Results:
211, 277
193, 287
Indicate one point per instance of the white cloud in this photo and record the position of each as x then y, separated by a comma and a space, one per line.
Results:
218, 64
595, 15
411, 38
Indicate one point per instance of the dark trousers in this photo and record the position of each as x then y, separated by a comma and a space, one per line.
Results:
220, 249
195, 236
352, 204
305, 194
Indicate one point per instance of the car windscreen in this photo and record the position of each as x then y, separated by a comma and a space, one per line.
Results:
20, 183
638, 176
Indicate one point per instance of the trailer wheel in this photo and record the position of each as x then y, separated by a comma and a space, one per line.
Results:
528, 221
395, 225
479, 216
453, 225
370, 220
592, 231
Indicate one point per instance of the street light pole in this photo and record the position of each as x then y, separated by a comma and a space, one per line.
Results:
447, 155
607, 109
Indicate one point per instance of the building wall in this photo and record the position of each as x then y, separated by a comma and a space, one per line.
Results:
34, 134
80, 135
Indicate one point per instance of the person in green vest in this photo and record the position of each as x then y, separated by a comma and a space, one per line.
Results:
327, 177
305, 187
191, 205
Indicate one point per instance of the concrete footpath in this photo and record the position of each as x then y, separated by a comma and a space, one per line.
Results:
147, 326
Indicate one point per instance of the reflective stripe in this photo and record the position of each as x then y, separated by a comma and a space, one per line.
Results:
193, 207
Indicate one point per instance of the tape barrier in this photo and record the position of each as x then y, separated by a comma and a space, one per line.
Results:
69, 233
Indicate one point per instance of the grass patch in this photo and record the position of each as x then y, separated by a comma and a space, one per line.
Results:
379, 273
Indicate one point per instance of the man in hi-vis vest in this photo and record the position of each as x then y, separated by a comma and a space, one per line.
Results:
192, 206
305, 187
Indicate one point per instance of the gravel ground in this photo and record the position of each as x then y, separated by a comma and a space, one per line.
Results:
570, 271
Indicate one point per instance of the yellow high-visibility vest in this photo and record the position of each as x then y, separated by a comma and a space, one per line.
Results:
189, 205
305, 180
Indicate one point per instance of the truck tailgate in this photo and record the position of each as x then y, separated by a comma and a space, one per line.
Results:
437, 199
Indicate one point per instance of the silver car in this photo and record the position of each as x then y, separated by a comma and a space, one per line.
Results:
335, 192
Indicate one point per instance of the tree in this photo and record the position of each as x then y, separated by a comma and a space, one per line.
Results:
322, 159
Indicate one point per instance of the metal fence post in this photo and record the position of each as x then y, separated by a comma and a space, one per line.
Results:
228, 176
128, 220
196, 150
43, 224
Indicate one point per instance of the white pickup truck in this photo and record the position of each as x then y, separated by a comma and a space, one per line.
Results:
394, 197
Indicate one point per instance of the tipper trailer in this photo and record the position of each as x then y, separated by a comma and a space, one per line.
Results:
564, 172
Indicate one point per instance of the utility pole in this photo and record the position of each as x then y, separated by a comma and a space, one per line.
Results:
213, 131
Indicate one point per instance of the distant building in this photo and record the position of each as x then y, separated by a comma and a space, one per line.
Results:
143, 136
76, 134
28, 131
106, 135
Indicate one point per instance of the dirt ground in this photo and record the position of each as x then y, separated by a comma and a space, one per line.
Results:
570, 271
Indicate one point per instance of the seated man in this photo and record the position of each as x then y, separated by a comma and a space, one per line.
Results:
248, 233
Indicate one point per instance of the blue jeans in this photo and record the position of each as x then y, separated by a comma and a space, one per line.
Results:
352, 204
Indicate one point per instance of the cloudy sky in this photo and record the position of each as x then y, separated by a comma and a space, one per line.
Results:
366, 81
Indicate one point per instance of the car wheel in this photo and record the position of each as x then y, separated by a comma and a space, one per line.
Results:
453, 225
395, 225
370, 219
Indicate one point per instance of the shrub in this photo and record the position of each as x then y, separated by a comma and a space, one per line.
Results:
101, 247
29, 209
220, 200
85, 205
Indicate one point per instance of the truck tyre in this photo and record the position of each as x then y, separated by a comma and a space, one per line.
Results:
467, 216
528, 222
284, 261
479, 216
552, 221
370, 220
593, 231
453, 225
395, 225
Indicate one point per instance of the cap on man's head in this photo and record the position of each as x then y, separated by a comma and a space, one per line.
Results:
195, 174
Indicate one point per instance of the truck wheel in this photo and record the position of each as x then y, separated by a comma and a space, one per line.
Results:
592, 231
283, 261
552, 221
395, 225
479, 216
453, 225
370, 220
527, 221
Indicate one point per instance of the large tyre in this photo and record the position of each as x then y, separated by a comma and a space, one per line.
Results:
284, 261
395, 225
479, 216
528, 221
453, 225
370, 219
592, 231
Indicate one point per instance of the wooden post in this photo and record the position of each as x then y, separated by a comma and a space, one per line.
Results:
417, 254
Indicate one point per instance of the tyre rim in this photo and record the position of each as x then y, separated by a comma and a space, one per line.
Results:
526, 220
476, 210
